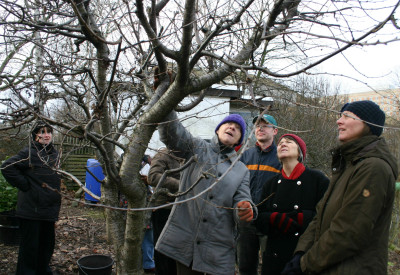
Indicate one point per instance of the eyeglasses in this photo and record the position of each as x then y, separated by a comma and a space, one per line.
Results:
261, 127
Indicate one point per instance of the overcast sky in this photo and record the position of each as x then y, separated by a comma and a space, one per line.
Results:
376, 65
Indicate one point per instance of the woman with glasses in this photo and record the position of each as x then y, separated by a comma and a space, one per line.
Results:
350, 232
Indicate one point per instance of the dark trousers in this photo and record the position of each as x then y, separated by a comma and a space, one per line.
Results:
247, 250
164, 264
36, 247
184, 270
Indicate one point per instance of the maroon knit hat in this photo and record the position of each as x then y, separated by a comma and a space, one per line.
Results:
299, 142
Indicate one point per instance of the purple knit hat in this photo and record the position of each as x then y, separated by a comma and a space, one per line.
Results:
237, 119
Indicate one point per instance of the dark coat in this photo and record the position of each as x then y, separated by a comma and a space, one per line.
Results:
27, 171
262, 164
164, 160
349, 234
289, 196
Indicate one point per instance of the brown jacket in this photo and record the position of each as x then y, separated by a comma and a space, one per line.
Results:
349, 234
162, 161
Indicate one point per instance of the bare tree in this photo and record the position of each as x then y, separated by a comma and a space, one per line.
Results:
126, 64
310, 110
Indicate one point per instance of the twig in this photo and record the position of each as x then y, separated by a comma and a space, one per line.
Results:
76, 180
164, 175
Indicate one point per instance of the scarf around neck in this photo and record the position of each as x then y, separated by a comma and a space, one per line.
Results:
297, 171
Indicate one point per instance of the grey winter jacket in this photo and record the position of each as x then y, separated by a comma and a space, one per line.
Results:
201, 232
349, 234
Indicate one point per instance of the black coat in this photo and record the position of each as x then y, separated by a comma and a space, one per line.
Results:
27, 171
290, 196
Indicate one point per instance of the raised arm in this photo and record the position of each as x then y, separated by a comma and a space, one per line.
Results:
177, 138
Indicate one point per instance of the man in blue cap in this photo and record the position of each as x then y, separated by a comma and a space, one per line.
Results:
263, 164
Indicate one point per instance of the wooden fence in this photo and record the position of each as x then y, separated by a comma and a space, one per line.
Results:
74, 146
74, 155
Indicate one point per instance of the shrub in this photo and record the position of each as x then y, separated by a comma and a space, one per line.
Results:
8, 195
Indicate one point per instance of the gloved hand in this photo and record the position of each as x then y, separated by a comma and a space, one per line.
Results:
245, 211
297, 217
293, 267
284, 223
302, 218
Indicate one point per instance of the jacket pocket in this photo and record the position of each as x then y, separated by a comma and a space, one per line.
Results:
349, 266
43, 197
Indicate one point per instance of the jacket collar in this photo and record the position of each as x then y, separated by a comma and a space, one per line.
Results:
42, 147
352, 151
268, 149
228, 152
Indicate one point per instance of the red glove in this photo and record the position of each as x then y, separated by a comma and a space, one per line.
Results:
300, 218
284, 222
245, 211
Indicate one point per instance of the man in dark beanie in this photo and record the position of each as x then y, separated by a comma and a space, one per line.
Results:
350, 232
200, 232
32, 171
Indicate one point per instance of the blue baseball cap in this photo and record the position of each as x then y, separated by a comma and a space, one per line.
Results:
267, 118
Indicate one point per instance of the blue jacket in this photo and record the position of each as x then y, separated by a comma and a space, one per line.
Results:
263, 165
